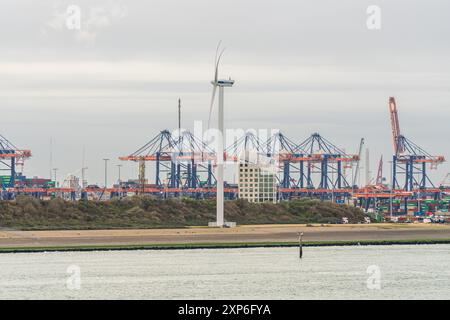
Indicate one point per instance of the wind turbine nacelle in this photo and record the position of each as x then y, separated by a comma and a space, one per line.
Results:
225, 83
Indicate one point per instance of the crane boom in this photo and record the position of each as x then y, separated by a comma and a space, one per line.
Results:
379, 181
395, 125
361, 145
446, 181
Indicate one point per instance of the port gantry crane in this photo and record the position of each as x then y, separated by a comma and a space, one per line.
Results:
282, 150
327, 161
182, 159
10, 159
12, 182
409, 160
313, 168
192, 161
238, 152
372, 194
246, 142
158, 150
379, 180
356, 173
409, 175
445, 183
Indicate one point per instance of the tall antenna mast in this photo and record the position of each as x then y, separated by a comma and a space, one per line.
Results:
51, 158
82, 158
83, 171
179, 118
368, 179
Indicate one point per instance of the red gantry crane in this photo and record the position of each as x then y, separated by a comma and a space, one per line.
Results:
409, 159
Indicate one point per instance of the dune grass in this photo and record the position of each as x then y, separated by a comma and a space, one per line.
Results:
26, 213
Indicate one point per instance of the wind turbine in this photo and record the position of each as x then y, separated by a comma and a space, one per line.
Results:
220, 143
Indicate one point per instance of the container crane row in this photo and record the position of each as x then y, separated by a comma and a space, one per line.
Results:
183, 166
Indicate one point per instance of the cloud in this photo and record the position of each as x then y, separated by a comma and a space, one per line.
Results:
300, 66
56, 20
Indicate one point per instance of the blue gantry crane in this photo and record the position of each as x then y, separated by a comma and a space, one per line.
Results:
10, 158
180, 160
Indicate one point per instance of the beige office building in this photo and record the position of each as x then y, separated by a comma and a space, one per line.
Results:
257, 180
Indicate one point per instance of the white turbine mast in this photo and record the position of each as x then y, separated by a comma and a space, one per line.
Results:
220, 222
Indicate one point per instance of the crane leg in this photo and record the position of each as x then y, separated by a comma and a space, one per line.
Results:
141, 176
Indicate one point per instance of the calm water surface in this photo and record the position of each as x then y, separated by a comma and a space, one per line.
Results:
406, 272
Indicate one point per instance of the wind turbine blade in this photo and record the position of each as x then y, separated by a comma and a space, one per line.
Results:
217, 53
216, 73
212, 105
216, 76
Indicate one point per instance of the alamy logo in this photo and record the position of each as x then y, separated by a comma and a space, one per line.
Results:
373, 21
374, 280
73, 282
73, 19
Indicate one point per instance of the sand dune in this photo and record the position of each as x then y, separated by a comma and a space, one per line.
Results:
246, 233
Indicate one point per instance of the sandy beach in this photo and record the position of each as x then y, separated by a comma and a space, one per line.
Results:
240, 234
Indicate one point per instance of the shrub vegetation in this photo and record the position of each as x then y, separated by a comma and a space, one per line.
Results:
28, 213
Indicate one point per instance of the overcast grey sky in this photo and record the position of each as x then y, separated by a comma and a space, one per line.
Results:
299, 66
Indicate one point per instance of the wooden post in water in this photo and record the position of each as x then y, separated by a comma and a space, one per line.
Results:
300, 244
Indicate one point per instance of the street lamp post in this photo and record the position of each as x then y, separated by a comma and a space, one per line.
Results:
54, 175
119, 166
418, 199
332, 183
392, 188
118, 182
106, 172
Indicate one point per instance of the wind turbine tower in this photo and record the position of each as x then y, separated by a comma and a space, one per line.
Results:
222, 84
